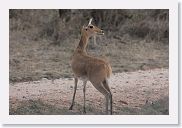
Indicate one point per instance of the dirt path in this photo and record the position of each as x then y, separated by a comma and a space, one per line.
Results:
136, 88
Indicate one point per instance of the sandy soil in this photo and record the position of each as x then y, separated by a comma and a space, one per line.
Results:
130, 89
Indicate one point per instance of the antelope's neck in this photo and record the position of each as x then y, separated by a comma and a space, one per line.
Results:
83, 43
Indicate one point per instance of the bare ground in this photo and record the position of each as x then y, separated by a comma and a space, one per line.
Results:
139, 92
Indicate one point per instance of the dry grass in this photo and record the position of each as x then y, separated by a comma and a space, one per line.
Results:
38, 107
41, 43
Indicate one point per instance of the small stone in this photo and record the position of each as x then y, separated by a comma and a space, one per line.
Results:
112, 87
44, 79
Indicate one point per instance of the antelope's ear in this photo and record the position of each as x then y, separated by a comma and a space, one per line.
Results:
83, 26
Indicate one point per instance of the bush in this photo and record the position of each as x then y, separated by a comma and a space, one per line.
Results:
55, 24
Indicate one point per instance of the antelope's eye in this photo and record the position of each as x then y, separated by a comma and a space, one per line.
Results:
91, 26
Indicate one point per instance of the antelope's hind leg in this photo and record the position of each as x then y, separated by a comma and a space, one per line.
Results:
101, 89
106, 86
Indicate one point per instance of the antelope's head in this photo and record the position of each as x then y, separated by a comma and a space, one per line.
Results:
92, 30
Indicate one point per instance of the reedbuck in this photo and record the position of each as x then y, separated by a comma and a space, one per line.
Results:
93, 69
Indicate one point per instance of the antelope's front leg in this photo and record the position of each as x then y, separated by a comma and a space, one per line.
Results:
73, 100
